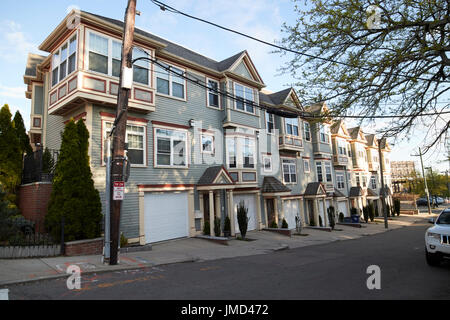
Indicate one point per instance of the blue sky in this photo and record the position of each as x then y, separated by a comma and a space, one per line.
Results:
25, 24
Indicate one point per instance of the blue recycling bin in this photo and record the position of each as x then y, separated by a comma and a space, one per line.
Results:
355, 219
347, 220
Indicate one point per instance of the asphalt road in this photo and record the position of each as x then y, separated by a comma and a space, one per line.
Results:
332, 271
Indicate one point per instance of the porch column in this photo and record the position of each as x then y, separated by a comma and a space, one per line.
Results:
325, 218
258, 210
231, 212
302, 212
202, 209
275, 208
316, 211
211, 213
218, 211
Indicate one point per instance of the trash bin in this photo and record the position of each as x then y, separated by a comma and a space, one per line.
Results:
355, 219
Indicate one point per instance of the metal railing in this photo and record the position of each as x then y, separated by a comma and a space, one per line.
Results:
39, 166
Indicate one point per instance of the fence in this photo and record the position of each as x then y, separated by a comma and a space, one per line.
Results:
39, 166
31, 239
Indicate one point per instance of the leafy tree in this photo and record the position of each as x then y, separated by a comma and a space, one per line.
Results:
10, 155
242, 218
74, 196
400, 66
24, 139
48, 163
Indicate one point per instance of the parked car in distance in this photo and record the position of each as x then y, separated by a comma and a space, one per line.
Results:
423, 201
437, 239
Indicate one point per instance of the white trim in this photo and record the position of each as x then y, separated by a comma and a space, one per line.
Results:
156, 73
155, 148
219, 107
282, 170
52, 67
235, 100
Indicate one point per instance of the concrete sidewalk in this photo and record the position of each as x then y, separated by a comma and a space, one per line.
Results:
13, 271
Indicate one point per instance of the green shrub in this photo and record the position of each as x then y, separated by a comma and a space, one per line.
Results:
371, 212
366, 213
284, 224
206, 228
242, 218
273, 225
74, 196
123, 240
217, 231
397, 206
331, 219
341, 217
312, 222
227, 227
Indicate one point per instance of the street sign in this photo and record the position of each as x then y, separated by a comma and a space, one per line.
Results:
118, 190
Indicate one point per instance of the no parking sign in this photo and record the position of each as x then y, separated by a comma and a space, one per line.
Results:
118, 190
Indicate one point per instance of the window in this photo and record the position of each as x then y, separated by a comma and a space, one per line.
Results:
270, 122
340, 181
267, 160
245, 98
169, 83
349, 150
171, 148
105, 56
324, 134
364, 179
135, 137
291, 126
241, 152
320, 171
306, 167
358, 182
207, 144
213, 94
373, 182
375, 159
307, 131
289, 171
64, 60
341, 148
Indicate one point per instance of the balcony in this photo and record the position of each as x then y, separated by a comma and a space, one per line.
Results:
340, 160
85, 86
291, 143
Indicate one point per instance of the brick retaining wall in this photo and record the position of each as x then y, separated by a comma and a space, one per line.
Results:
33, 200
84, 247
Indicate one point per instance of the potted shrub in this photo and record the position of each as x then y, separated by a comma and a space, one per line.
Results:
284, 224
206, 229
227, 227
341, 217
371, 212
366, 214
217, 230
330, 211
273, 225
242, 218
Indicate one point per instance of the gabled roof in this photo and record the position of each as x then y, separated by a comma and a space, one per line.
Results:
337, 125
273, 185
279, 98
211, 175
338, 194
371, 140
314, 189
32, 62
384, 144
228, 62
355, 192
371, 193
356, 133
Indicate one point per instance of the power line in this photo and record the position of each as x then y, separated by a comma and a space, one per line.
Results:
291, 114
165, 7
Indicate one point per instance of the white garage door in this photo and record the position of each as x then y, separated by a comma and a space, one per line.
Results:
291, 210
342, 207
250, 203
166, 216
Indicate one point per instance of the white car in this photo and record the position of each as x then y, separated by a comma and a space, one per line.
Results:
437, 239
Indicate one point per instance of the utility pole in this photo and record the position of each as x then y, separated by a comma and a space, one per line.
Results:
120, 124
425, 181
382, 193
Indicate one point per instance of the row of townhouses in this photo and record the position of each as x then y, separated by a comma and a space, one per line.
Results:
195, 153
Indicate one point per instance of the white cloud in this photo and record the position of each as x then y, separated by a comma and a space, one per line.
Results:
12, 92
14, 44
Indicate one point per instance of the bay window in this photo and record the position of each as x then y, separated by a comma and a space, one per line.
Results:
241, 152
105, 56
324, 134
64, 60
320, 166
307, 131
291, 126
245, 98
169, 83
289, 171
171, 147
340, 181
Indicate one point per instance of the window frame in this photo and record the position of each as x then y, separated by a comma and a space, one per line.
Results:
239, 149
373, 181
340, 181
291, 162
66, 43
304, 167
268, 115
307, 133
325, 133
212, 143
244, 98
155, 148
170, 80
286, 120
219, 105
110, 57
265, 157
129, 123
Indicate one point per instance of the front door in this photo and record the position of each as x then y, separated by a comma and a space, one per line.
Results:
270, 212
311, 212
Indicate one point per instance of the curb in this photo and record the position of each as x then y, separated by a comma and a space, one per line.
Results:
281, 248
